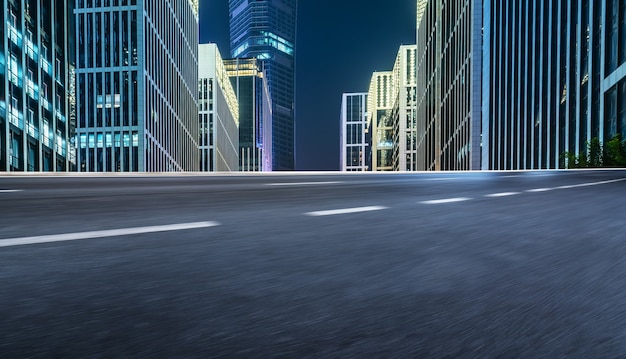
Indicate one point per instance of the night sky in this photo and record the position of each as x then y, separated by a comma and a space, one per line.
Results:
339, 44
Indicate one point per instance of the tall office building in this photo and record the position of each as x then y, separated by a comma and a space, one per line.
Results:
36, 86
353, 134
219, 114
137, 85
449, 65
534, 79
248, 80
266, 30
404, 110
381, 97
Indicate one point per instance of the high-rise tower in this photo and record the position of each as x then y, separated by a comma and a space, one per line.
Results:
137, 85
266, 29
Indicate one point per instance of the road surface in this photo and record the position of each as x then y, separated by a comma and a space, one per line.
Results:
428, 265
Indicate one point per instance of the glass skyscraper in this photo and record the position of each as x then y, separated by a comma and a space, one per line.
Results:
266, 30
36, 86
137, 85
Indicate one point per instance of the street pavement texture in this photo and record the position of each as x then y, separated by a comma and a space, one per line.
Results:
426, 265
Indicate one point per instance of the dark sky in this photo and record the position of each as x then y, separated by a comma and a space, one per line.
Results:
339, 44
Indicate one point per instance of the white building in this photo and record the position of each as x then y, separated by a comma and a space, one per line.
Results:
219, 114
353, 133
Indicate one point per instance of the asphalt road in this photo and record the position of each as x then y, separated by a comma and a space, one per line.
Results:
446, 265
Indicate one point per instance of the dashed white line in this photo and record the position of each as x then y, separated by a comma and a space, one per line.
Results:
345, 211
10, 190
443, 179
591, 184
302, 183
9, 242
446, 200
503, 194
535, 190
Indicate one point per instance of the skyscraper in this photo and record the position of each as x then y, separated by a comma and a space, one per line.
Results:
36, 86
518, 84
137, 85
266, 29
219, 114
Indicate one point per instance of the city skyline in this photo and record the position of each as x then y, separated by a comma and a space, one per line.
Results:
331, 61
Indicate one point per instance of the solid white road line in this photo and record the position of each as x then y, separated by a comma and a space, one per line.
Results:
345, 211
446, 200
9, 242
503, 194
10, 190
302, 183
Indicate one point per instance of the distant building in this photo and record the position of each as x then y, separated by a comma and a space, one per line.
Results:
404, 111
266, 30
137, 85
219, 114
250, 86
381, 97
354, 155
36, 86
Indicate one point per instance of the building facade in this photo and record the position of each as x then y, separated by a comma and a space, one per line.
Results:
381, 97
354, 148
449, 71
219, 114
248, 81
137, 85
266, 30
36, 86
612, 84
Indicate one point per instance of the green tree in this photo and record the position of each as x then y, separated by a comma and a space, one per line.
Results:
615, 152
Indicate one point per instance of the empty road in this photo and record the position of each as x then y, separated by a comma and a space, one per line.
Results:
426, 265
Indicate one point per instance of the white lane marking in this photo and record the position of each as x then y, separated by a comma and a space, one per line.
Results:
443, 179
345, 211
446, 200
591, 184
503, 194
539, 190
10, 190
102, 234
302, 183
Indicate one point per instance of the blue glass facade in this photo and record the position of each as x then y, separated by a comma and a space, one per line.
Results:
266, 30
36, 86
